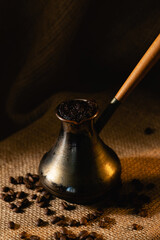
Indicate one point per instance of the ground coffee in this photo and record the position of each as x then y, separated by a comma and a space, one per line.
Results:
77, 110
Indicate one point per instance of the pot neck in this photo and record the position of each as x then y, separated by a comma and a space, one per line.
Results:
82, 128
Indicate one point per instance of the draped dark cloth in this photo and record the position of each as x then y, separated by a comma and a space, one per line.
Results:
49, 46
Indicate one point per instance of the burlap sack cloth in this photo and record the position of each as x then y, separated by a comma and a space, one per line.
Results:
39, 59
139, 155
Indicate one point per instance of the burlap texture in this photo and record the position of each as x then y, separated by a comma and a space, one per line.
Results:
139, 155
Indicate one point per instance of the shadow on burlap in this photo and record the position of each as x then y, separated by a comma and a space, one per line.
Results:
139, 155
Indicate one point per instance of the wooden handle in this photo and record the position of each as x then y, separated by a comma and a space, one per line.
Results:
144, 65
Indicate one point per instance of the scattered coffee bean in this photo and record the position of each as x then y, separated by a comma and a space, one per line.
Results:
20, 180
43, 204
11, 192
31, 179
137, 226
48, 211
102, 224
34, 237
91, 216
28, 184
40, 222
5, 189
25, 203
89, 238
39, 189
23, 235
21, 194
83, 234
149, 130
35, 177
12, 206
11, 225
2, 195
33, 196
93, 234
17, 210
66, 206
62, 223
8, 198
71, 236
13, 180
83, 221
57, 235
55, 219
74, 223
109, 220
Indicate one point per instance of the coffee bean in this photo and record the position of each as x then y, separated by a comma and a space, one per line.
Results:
25, 203
40, 222
149, 130
23, 235
83, 234
8, 198
57, 235
74, 223
62, 217
64, 231
20, 180
55, 219
48, 196
48, 211
83, 221
63, 237
5, 189
2, 195
11, 225
33, 196
17, 210
102, 224
109, 220
66, 206
93, 234
28, 184
34, 237
31, 179
21, 194
98, 213
71, 236
39, 189
89, 238
91, 216
41, 199
137, 226
35, 177
12, 205
43, 204
62, 223
99, 238
13, 180
11, 192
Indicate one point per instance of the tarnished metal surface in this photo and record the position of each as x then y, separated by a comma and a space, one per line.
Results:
80, 167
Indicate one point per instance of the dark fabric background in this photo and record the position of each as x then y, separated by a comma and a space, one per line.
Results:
48, 46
